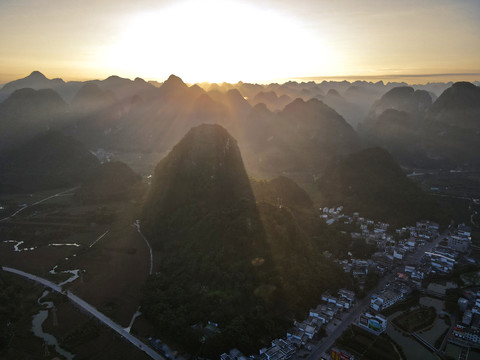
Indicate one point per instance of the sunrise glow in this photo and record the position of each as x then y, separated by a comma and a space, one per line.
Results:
217, 41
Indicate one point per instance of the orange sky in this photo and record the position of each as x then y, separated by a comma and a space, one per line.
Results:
231, 40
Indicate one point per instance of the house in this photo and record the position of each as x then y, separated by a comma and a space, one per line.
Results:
398, 253
280, 350
285, 347
459, 243
464, 230
347, 294
374, 323
295, 333
467, 317
386, 299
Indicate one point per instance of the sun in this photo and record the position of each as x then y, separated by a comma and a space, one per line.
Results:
216, 40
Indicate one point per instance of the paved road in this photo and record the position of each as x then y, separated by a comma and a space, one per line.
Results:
91, 310
38, 202
137, 225
364, 304
354, 313
99, 238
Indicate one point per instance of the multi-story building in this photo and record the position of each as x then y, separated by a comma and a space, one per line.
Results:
459, 243
386, 299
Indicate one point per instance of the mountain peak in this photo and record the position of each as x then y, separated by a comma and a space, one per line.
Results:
174, 80
36, 75
173, 85
464, 84
203, 174
389, 196
461, 95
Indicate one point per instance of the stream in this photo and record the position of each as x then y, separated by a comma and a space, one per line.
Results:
17, 244
39, 319
37, 328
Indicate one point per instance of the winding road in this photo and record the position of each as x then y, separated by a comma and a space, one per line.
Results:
137, 225
91, 310
38, 202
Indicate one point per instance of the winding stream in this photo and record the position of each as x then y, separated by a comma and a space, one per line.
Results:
37, 328
39, 319
17, 244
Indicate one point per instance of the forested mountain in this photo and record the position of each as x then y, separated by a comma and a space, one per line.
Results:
372, 183
227, 257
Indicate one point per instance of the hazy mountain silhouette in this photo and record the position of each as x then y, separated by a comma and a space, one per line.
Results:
395, 122
372, 183
405, 98
48, 161
271, 100
125, 115
305, 136
91, 98
27, 112
452, 125
113, 181
36, 80
422, 134
460, 96
125, 88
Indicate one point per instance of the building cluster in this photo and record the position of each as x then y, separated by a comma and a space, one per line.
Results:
331, 305
359, 268
280, 349
415, 273
325, 312
302, 331
331, 215
392, 247
441, 259
391, 294
467, 330
461, 239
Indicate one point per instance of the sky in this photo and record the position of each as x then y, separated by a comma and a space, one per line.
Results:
233, 40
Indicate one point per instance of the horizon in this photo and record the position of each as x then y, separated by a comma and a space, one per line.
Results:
409, 79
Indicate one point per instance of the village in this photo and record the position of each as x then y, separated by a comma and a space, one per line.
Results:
404, 259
